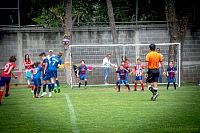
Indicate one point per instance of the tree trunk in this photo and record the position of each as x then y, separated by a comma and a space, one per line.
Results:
172, 28
113, 28
68, 17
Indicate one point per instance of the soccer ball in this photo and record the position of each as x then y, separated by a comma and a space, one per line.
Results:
61, 67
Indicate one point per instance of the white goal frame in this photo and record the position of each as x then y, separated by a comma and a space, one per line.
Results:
178, 82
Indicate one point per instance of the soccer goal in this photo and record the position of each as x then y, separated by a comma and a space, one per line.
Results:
93, 55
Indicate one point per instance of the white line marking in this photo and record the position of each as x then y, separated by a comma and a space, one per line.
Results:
72, 115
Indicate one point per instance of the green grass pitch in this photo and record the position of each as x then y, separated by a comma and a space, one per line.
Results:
102, 110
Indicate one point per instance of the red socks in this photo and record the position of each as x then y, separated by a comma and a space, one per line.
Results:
1, 95
142, 84
135, 86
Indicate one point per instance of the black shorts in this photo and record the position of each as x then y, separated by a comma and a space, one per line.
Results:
153, 75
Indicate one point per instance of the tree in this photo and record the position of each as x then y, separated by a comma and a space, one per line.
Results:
177, 29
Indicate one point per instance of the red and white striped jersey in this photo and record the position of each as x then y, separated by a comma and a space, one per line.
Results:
138, 69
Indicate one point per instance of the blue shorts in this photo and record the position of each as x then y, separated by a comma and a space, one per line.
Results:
83, 77
46, 76
123, 82
37, 82
171, 80
53, 73
4, 81
138, 77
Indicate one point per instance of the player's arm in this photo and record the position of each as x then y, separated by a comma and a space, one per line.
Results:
146, 70
163, 65
45, 67
15, 76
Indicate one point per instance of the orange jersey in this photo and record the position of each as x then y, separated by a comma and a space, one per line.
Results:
153, 58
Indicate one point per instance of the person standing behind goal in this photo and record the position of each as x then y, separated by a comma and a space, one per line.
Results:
106, 66
153, 59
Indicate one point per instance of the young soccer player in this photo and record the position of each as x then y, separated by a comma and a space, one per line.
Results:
36, 79
45, 74
6, 77
122, 77
54, 63
60, 62
138, 71
171, 72
28, 64
82, 69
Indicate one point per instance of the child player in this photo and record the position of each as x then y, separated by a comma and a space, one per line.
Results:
138, 71
6, 77
171, 71
45, 75
36, 79
59, 64
54, 63
82, 73
122, 77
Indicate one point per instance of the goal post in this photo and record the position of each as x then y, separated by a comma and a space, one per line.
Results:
93, 55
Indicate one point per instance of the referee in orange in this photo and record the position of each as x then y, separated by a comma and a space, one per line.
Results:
153, 59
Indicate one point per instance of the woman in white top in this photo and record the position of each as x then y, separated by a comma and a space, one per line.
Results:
106, 65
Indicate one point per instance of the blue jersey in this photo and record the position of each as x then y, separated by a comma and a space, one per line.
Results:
171, 72
45, 61
37, 72
59, 60
82, 70
54, 61
122, 74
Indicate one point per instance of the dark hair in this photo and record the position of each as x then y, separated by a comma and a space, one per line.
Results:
28, 57
42, 54
82, 60
152, 47
12, 59
36, 63
138, 59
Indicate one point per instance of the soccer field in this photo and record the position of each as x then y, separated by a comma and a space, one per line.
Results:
102, 110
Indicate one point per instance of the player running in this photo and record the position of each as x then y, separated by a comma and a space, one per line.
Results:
82, 69
122, 77
6, 77
45, 74
54, 63
138, 72
152, 64
171, 72
36, 79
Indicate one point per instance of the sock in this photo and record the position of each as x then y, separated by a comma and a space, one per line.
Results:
35, 91
49, 87
1, 95
44, 87
118, 87
142, 85
52, 86
155, 90
57, 82
174, 85
55, 86
32, 87
167, 85
7, 88
151, 89
128, 87
79, 85
85, 83
135, 86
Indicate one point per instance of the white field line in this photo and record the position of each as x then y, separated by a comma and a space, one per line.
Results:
72, 115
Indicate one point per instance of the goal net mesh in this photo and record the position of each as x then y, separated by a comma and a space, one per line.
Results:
93, 55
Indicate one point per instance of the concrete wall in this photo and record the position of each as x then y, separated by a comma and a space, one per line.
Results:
34, 41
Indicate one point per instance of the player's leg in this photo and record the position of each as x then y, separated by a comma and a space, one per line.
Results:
3, 81
118, 85
49, 88
135, 85
155, 82
168, 85
38, 87
127, 85
142, 85
174, 85
58, 84
85, 79
28, 78
80, 78
44, 88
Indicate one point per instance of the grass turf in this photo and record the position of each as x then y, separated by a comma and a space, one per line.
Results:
102, 109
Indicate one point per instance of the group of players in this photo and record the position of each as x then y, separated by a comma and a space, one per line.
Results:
47, 68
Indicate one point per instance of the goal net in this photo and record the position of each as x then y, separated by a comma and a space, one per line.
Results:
93, 55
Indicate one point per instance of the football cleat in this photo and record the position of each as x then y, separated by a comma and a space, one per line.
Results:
50, 94
6, 95
43, 94
58, 90
155, 96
